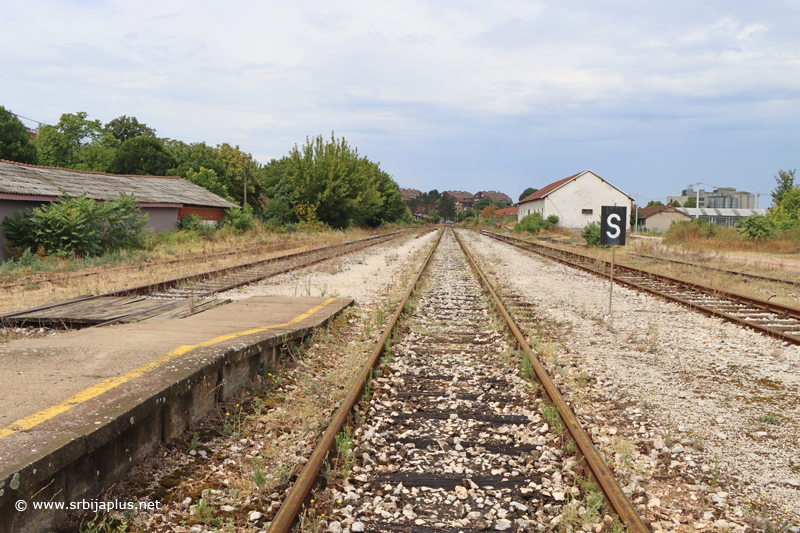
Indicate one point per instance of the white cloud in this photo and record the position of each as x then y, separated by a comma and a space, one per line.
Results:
414, 75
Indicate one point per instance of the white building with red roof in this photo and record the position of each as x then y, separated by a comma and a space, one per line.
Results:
576, 200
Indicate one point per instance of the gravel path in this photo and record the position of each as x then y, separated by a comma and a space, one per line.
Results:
362, 275
723, 398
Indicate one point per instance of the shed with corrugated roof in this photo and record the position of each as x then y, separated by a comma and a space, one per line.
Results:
164, 198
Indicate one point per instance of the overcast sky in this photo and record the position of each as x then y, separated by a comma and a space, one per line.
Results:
651, 96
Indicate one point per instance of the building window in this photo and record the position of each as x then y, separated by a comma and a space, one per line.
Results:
586, 211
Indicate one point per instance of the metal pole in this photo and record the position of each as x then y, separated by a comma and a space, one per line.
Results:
637, 213
697, 201
245, 186
611, 280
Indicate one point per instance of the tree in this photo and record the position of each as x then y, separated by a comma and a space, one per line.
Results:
193, 157
393, 208
235, 161
756, 228
446, 207
787, 213
332, 176
676, 203
785, 181
527, 192
15, 141
59, 145
487, 212
209, 180
145, 156
124, 128
691, 202
653, 203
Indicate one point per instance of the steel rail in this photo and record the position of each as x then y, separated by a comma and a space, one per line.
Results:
715, 269
287, 514
758, 305
230, 286
142, 290
68, 276
598, 468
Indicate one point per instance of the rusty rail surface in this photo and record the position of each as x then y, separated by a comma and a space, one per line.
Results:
153, 288
587, 452
287, 514
772, 319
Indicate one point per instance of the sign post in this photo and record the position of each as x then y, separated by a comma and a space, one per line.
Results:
612, 233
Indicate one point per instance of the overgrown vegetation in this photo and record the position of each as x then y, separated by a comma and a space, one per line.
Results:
343, 187
535, 223
591, 233
778, 231
76, 226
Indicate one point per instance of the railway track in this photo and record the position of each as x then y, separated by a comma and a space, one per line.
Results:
776, 320
723, 270
63, 278
180, 296
462, 433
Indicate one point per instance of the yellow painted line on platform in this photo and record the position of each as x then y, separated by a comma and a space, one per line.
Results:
104, 386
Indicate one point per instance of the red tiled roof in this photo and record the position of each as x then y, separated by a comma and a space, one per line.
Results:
507, 211
547, 189
652, 210
460, 195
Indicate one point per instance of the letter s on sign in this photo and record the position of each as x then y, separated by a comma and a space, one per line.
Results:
611, 217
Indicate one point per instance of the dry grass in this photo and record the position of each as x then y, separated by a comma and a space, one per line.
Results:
178, 254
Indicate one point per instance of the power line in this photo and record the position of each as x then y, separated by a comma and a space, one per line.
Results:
118, 145
32, 120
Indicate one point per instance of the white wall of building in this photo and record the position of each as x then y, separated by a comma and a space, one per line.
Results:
578, 202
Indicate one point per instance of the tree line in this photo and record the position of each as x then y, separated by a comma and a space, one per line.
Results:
319, 183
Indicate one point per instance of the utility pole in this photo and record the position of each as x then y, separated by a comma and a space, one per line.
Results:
697, 201
637, 216
245, 186
758, 197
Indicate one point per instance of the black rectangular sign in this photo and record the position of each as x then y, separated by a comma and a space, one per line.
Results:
613, 221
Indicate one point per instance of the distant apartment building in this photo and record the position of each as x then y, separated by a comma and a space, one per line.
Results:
408, 194
722, 198
495, 196
462, 199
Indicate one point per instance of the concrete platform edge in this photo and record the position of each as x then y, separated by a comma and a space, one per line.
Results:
82, 466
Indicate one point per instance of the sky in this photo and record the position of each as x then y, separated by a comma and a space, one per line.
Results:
447, 95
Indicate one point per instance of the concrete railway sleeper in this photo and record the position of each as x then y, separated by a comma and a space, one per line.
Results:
775, 320
452, 433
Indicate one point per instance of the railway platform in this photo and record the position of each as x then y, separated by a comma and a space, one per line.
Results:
78, 409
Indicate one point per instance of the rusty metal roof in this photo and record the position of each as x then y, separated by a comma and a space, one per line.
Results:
22, 179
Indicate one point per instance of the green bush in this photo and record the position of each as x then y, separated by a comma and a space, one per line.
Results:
76, 226
196, 225
190, 222
534, 223
756, 228
591, 233
239, 219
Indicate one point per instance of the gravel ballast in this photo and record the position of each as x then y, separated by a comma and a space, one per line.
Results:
710, 408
